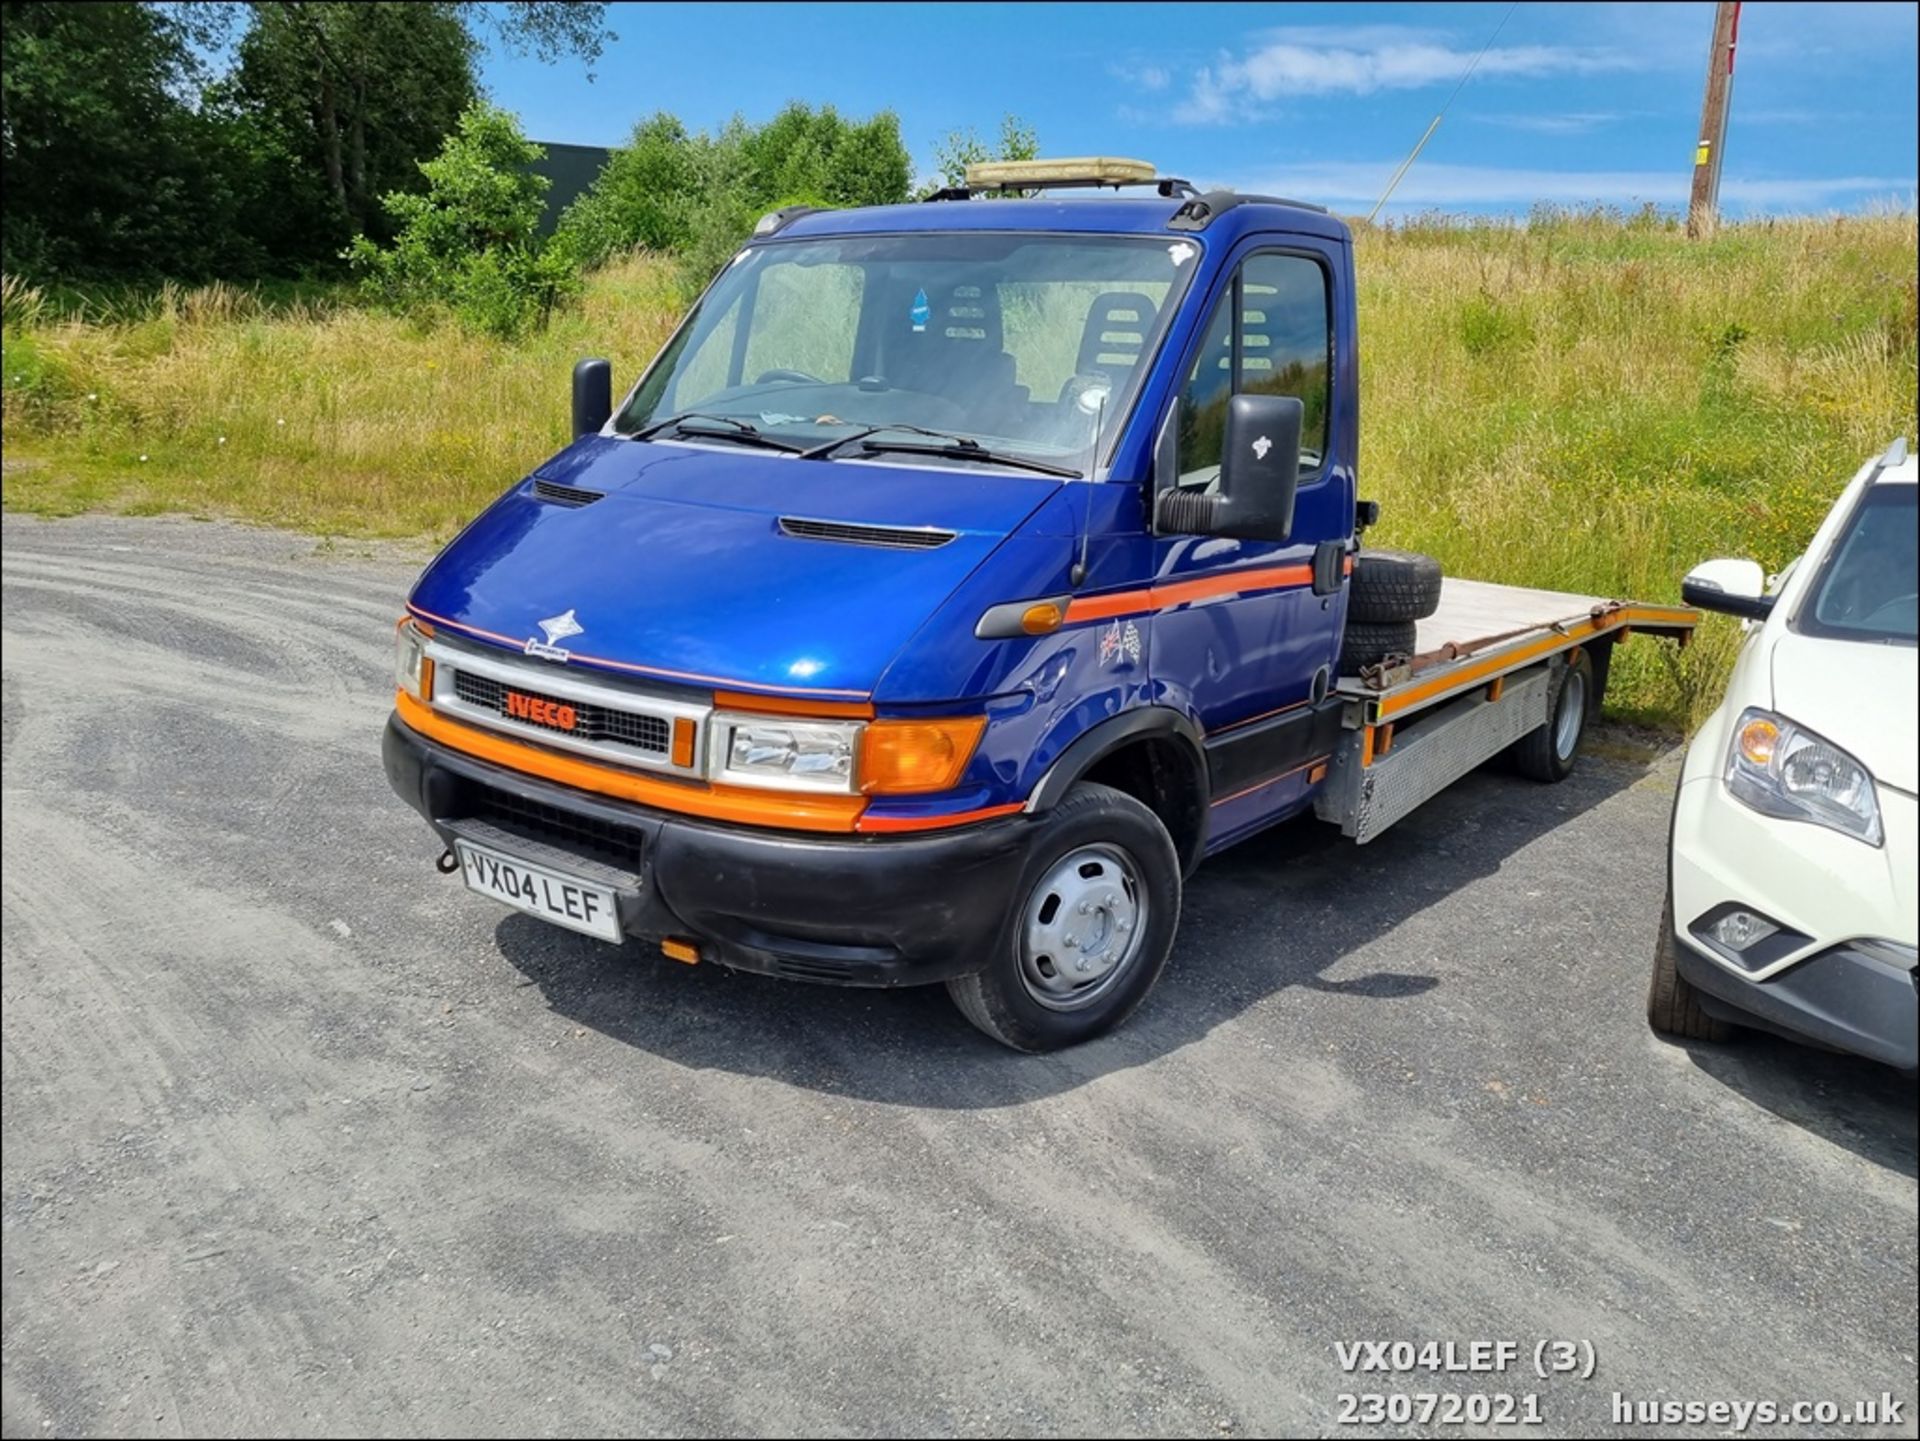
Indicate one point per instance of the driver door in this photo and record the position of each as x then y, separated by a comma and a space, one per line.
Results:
1249, 640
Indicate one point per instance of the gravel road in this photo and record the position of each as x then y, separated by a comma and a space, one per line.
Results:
301, 1138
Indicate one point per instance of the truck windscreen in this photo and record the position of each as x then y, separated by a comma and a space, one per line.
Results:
1017, 345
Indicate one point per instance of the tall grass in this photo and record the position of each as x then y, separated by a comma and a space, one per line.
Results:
1595, 404
1586, 403
316, 415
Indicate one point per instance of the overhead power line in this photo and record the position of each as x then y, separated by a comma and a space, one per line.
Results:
1458, 86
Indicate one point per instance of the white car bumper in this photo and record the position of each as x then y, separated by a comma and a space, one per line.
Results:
1840, 970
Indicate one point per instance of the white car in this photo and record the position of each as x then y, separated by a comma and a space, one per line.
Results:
1791, 883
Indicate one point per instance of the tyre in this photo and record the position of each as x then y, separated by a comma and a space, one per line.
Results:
1366, 642
1392, 585
1548, 752
1602, 653
1673, 1006
1091, 927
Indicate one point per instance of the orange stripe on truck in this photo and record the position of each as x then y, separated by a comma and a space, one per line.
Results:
785, 705
886, 825
1567, 638
1183, 592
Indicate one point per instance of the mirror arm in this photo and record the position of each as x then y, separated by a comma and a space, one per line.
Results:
1710, 597
1186, 512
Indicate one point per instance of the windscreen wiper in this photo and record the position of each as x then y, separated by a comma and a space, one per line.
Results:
718, 427
942, 443
967, 450
825, 449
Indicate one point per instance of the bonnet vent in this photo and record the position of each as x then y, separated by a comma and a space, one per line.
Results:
558, 494
894, 537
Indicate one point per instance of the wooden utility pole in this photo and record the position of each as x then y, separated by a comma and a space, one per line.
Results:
1703, 211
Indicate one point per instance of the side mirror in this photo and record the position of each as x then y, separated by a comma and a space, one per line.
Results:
592, 396
1732, 587
1259, 476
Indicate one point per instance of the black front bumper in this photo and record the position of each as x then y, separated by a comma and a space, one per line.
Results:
847, 910
1844, 998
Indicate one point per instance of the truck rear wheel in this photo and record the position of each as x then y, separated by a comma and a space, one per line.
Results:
1092, 925
1393, 585
1673, 1006
1368, 642
1548, 752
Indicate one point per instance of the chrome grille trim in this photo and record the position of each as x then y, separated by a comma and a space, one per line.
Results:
549, 681
893, 537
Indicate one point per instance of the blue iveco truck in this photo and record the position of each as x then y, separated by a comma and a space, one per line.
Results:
956, 579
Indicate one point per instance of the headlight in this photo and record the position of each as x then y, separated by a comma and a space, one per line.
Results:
809, 755
412, 671
874, 757
1781, 770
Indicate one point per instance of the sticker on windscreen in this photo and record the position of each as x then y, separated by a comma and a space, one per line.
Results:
921, 312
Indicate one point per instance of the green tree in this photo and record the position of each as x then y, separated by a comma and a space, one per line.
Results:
962, 148
808, 156
643, 197
120, 160
355, 95
470, 243
698, 195
108, 169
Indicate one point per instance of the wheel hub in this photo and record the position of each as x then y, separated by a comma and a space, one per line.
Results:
1083, 924
1573, 709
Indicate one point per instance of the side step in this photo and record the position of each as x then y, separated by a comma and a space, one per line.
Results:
1363, 800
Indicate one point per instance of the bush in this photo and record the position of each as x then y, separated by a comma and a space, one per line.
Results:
470, 243
698, 195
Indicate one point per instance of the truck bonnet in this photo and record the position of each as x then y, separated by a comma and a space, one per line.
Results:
723, 567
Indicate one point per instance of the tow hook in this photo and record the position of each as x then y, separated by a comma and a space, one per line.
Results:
448, 862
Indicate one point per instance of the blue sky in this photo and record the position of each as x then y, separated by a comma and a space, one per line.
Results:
1573, 103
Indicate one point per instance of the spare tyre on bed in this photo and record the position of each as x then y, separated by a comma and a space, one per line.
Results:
1393, 585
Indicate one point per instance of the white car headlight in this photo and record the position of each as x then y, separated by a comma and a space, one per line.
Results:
412, 671
749, 750
1782, 770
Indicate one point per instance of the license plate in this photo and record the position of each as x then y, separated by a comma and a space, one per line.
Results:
539, 892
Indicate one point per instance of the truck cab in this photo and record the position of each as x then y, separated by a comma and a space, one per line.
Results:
956, 579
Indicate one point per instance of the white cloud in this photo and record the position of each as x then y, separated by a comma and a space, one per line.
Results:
1790, 117
1575, 123
1147, 77
1350, 185
1360, 60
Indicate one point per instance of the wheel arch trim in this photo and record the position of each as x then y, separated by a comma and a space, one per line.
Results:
1097, 742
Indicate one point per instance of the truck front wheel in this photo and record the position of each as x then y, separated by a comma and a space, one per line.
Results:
1094, 918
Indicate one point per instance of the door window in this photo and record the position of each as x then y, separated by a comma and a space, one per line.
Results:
1270, 334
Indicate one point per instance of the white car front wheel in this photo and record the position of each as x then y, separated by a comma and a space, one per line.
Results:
1673, 1006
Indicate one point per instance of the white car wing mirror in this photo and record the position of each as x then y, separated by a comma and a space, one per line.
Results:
1731, 587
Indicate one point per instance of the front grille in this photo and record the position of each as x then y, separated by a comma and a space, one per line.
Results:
893, 536
600, 840
649, 733
558, 494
